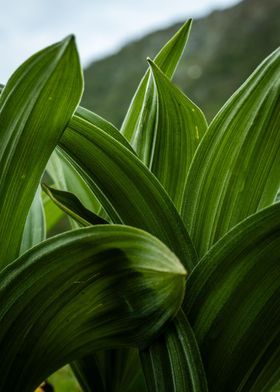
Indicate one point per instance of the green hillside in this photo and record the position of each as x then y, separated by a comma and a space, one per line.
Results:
223, 50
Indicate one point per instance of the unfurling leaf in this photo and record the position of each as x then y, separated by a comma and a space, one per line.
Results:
89, 289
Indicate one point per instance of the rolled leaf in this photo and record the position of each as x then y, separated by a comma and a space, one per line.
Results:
139, 124
235, 171
233, 302
35, 106
180, 126
85, 290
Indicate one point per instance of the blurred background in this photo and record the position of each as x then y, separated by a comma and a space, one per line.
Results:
229, 39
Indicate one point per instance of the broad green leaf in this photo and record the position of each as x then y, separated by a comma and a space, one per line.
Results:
35, 106
139, 124
85, 290
172, 362
72, 206
233, 302
235, 171
35, 225
128, 192
179, 128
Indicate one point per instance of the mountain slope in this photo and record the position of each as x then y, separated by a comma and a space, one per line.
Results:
223, 49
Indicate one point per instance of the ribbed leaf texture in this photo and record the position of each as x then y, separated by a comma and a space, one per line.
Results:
88, 289
35, 106
233, 302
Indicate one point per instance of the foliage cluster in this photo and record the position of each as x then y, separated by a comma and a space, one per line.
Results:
170, 272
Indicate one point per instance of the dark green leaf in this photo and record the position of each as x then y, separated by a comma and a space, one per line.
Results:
72, 206
172, 362
236, 169
233, 301
129, 193
85, 290
111, 371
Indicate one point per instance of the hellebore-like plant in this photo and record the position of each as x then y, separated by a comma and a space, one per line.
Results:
164, 195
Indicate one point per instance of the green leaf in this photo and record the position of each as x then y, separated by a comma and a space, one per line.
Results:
66, 178
35, 225
139, 124
115, 370
103, 124
233, 302
35, 106
235, 171
128, 192
72, 206
88, 374
179, 128
172, 362
53, 214
85, 290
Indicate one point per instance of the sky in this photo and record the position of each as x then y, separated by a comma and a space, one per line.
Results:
101, 27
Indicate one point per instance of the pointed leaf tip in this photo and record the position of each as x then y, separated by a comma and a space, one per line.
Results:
70, 37
69, 40
31, 126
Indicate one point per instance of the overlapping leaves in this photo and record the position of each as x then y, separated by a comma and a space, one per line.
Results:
108, 286
236, 168
233, 301
84, 290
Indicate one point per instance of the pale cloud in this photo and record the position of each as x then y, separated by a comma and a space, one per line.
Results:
100, 26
